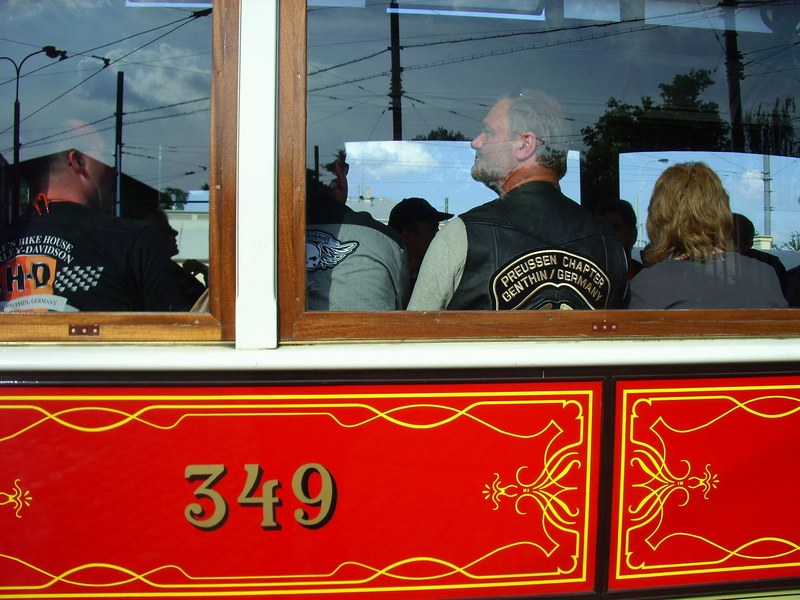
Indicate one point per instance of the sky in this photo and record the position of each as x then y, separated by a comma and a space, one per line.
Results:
742, 175
435, 170
453, 70
165, 56
455, 67
440, 172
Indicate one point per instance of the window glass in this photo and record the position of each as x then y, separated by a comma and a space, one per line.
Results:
397, 90
116, 94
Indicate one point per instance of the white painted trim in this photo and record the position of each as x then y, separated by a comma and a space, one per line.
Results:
534, 355
256, 346
256, 239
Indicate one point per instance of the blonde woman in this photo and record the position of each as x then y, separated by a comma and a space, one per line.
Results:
694, 264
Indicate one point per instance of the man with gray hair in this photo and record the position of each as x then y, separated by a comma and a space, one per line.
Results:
532, 247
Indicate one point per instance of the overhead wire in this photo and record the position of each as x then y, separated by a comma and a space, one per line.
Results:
186, 21
699, 13
693, 14
62, 136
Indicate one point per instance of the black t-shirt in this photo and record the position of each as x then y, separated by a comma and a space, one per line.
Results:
73, 258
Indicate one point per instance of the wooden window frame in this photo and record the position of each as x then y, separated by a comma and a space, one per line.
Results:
219, 324
299, 325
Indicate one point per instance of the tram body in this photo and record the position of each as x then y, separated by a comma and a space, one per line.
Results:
264, 450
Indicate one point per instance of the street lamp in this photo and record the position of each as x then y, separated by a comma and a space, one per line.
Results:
50, 52
640, 226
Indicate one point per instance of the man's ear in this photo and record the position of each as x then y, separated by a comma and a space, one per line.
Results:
525, 145
76, 160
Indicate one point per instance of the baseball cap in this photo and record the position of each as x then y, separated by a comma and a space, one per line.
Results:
412, 210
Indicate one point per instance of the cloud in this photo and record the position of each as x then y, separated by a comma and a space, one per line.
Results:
749, 185
154, 76
166, 58
390, 159
26, 8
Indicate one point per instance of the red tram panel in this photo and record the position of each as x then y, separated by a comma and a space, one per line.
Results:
706, 483
432, 490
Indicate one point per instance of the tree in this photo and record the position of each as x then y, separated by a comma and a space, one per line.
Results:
770, 131
442, 134
341, 154
682, 121
173, 198
793, 243
615, 132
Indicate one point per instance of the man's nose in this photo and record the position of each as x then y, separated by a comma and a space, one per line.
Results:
477, 142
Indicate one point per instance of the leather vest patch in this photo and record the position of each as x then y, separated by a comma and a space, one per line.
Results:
516, 284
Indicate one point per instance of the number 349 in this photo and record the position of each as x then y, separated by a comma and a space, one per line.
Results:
324, 500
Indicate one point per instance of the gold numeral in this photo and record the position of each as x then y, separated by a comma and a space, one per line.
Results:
210, 474
325, 498
268, 499
309, 477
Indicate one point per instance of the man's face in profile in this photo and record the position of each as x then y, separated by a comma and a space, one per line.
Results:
493, 148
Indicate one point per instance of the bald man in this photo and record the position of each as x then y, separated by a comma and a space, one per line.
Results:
69, 253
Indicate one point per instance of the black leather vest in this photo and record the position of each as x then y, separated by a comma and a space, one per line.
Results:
534, 248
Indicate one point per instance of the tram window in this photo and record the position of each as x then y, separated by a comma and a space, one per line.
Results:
126, 85
399, 89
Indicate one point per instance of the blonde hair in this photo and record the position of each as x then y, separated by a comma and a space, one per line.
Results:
689, 214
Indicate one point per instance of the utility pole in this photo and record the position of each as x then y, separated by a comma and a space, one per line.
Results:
767, 196
118, 145
12, 211
735, 71
396, 90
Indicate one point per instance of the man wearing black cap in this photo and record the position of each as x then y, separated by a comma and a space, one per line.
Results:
417, 221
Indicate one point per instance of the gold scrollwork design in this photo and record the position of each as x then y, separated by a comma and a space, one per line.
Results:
549, 490
18, 498
350, 573
546, 490
348, 415
659, 484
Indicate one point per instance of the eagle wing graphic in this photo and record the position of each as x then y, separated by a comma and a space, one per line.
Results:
332, 254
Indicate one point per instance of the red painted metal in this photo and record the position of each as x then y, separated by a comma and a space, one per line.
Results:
435, 490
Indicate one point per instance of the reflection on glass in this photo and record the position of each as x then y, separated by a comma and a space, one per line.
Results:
133, 103
402, 87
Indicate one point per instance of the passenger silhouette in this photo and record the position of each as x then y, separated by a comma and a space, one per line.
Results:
417, 222
621, 216
353, 262
190, 286
690, 227
743, 235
